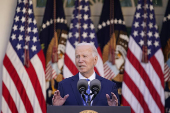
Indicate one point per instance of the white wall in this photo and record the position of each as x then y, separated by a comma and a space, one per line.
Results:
7, 10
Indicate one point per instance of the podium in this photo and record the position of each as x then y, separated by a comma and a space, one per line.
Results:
88, 109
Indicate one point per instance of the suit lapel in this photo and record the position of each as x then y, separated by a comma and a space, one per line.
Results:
98, 95
75, 90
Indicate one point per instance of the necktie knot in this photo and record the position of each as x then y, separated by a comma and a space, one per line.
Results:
88, 79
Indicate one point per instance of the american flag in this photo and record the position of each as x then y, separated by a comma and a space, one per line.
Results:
81, 30
23, 87
143, 83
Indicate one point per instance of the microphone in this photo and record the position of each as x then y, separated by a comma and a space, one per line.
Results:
95, 86
82, 86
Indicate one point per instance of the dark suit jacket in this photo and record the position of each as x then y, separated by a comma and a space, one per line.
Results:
69, 86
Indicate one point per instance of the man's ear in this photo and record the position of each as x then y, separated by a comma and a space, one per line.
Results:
95, 60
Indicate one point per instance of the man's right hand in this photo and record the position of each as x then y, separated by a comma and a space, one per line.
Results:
58, 100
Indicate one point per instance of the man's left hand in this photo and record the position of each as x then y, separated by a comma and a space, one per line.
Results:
113, 101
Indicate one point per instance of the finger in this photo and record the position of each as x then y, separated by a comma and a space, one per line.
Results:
66, 96
54, 100
54, 97
113, 96
55, 92
107, 97
58, 93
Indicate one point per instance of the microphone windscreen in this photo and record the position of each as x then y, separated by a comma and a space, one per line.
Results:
95, 83
82, 83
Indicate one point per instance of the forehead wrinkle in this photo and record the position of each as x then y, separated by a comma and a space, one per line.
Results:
85, 50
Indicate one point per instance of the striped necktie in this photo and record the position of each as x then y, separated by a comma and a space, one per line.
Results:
86, 96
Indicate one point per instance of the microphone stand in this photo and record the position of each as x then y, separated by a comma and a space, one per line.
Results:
89, 101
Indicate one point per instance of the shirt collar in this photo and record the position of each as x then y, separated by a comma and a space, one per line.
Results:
92, 77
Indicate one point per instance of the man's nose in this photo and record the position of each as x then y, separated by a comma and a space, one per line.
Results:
81, 59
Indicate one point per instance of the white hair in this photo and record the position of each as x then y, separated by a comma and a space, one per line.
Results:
94, 50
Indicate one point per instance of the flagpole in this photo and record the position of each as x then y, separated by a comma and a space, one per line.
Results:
54, 50
144, 48
79, 20
26, 50
112, 46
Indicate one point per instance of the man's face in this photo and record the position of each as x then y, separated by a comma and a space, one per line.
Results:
85, 61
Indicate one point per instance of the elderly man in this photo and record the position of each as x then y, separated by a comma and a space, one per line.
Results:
86, 57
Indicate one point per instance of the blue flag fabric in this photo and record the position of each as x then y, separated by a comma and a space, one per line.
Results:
30, 33
47, 32
165, 41
53, 70
106, 21
165, 34
81, 27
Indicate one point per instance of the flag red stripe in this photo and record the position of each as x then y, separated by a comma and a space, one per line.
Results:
41, 57
48, 69
166, 67
107, 74
106, 69
35, 83
144, 76
47, 76
70, 65
112, 74
166, 73
53, 72
169, 78
125, 103
105, 65
95, 69
48, 66
9, 99
157, 69
99, 52
48, 72
17, 81
134, 89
